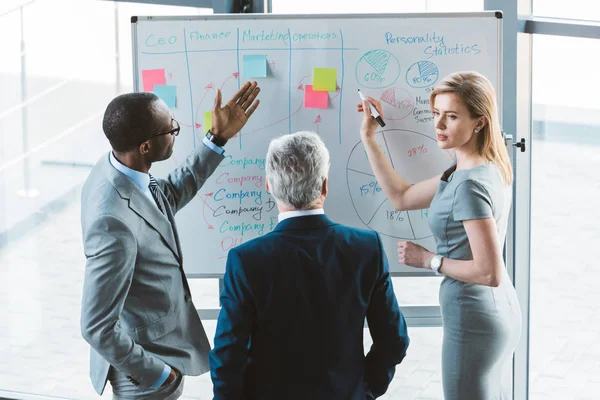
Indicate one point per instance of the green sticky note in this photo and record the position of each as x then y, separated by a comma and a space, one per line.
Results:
207, 120
324, 79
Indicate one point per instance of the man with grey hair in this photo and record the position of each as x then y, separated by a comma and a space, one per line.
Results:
295, 300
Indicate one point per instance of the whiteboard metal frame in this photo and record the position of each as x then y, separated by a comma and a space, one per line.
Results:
475, 14
421, 316
516, 122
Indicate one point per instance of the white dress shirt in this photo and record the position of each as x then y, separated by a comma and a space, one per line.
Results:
299, 213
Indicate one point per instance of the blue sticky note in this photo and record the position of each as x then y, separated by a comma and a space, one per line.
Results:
255, 66
168, 93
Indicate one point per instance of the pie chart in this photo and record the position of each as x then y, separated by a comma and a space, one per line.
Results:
377, 69
416, 157
422, 74
397, 102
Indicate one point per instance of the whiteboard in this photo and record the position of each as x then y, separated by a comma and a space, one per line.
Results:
396, 58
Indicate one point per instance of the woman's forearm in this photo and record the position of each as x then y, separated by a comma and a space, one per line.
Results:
470, 272
391, 182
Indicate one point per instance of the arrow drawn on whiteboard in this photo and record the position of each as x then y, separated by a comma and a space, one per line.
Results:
337, 89
211, 86
274, 123
234, 75
207, 88
181, 123
317, 122
204, 207
186, 125
300, 85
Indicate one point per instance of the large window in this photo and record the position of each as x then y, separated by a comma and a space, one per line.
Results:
374, 6
50, 135
575, 9
565, 332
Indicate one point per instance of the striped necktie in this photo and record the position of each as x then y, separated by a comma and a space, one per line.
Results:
156, 194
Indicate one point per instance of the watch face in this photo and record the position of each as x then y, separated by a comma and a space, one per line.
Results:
436, 262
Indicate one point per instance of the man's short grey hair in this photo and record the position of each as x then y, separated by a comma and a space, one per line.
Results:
296, 166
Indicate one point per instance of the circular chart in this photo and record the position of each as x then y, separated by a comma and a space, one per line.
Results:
377, 69
397, 103
415, 157
422, 74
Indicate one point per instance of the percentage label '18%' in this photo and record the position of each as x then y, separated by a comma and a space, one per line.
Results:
395, 215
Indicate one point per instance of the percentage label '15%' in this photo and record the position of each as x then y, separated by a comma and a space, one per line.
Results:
370, 188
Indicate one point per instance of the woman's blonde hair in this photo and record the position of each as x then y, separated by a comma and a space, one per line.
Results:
478, 94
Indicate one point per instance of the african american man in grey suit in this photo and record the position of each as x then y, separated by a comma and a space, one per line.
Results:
137, 313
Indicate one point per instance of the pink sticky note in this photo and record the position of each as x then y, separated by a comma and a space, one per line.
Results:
313, 99
151, 77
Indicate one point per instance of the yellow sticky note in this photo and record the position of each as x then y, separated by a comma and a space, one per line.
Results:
207, 120
324, 79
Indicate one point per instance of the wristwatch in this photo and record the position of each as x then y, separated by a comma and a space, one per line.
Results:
436, 263
219, 141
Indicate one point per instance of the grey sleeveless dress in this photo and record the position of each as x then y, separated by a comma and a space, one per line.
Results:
481, 324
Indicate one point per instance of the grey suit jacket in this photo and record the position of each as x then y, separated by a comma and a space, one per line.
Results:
137, 312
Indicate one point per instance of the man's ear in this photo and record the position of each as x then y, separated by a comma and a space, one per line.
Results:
145, 147
267, 186
324, 189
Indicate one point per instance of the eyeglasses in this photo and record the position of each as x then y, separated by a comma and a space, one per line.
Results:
174, 131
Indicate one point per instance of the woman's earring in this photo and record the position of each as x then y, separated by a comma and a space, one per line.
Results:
476, 130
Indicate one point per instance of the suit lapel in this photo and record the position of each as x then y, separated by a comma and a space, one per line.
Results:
179, 253
141, 205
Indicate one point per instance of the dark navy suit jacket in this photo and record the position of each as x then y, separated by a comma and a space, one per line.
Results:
294, 305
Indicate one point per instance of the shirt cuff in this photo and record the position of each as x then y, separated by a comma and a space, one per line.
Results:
212, 146
162, 379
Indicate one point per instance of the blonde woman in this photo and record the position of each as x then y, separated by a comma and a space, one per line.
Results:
468, 213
